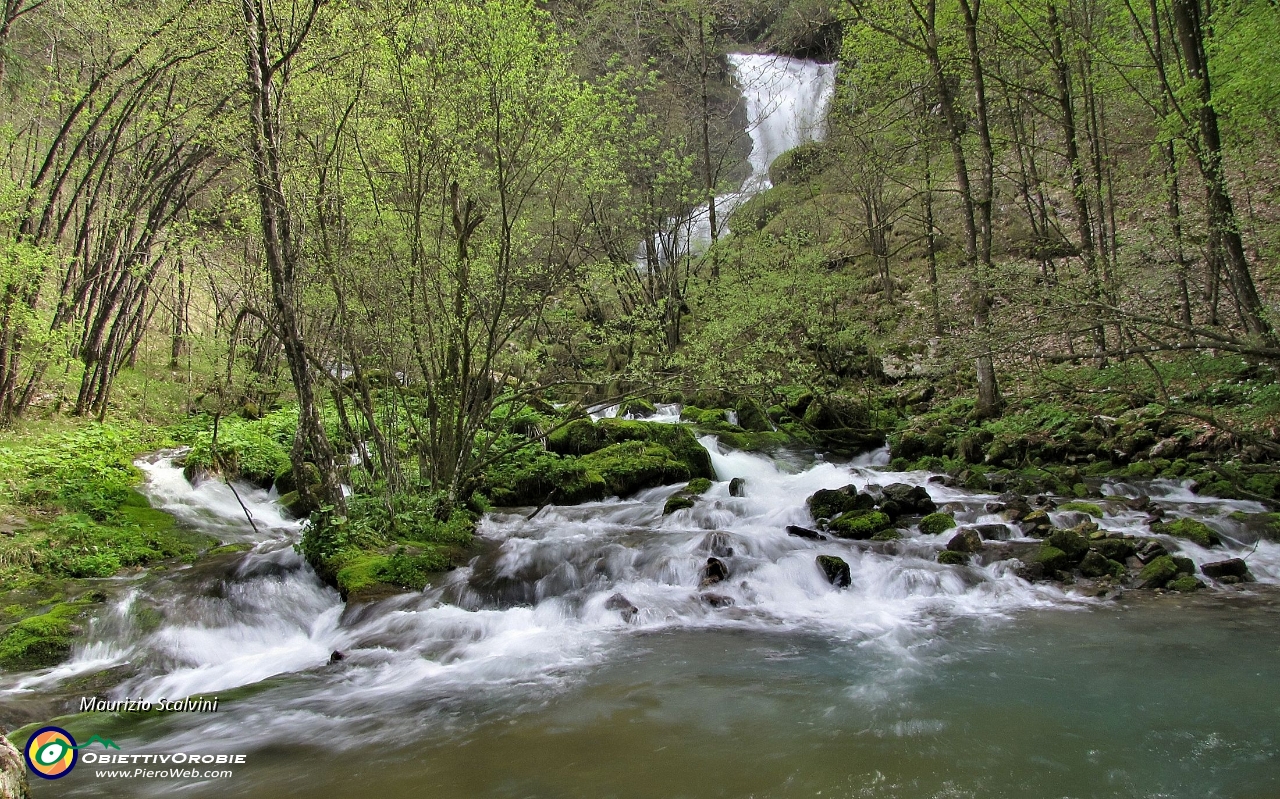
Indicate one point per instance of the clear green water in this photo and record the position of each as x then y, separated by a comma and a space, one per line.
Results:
1154, 697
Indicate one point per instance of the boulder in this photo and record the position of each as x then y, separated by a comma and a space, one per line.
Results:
1051, 559
828, 503
1150, 550
1117, 549
1190, 529
949, 557
1232, 567
1095, 564
716, 600
714, 572
737, 487
936, 523
1158, 573
1073, 544
625, 607
860, 525
913, 500
1185, 584
835, 569
1036, 524
805, 532
967, 540
678, 501
993, 532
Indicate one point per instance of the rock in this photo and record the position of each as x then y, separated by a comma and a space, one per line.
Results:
1118, 549
718, 544
737, 487
714, 572
993, 532
1158, 573
1097, 565
835, 569
936, 523
828, 503
1073, 544
1190, 529
717, 600
1232, 567
13, 772
337, 657
805, 532
967, 540
1031, 572
1138, 503
912, 499
1037, 524
1185, 565
698, 486
1051, 559
624, 606
893, 509
1151, 550
950, 557
1185, 584
860, 525
678, 501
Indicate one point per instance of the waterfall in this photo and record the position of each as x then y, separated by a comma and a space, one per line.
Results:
786, 102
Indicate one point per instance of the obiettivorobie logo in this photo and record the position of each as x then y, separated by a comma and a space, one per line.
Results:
52, 752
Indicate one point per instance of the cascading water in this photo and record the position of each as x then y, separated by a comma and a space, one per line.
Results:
581, 655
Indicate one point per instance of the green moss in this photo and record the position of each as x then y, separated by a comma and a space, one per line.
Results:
860, 524
1080, 490
40, 641
246, 450
638, 407
828, 503
936, 523
1052, 558
1190, 529
949, 558
1185, 584
698, 485
1158, 572
1083, 507
887, 535
630, 466
678, 501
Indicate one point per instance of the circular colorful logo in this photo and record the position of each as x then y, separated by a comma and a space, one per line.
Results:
51, 753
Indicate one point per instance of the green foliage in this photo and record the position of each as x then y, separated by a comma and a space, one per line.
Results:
247, 449
40, 641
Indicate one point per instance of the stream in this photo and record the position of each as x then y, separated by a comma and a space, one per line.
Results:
578, 656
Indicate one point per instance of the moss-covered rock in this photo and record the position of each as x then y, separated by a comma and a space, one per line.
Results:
887, 535
1158, 573
41, 641
1118, 549
1071, 543
860, 525
1083, 507
936, 523
751, 416
631, 466
967, 540
678, 501
584, 437
1097, 565
828, 503
1052, 559
637, 408
835, 569
1185, 584
698, 485
1190, 529
949, 557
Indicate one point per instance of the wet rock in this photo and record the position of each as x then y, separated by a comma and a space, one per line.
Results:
1190, 529
914, 500
1117, 549
993, 532
1185, 565
965, 541
1150, 550
835, 569
1232, 567
625, 607
737, 487
337, 656
717, 600
828, 503
678, 501
1138, 503
714, 572
860, 525
1052, 560
718, 544
1096, 565
1031, 571
1185, 584
13, 772
805, 532
936, 523
1036, 524
950, 557
1074, 545
1158, 573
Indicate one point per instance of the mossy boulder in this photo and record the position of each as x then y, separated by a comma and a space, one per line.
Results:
860, 525
936, 523
1118, 549
1190, 529
828, 503
967, 540
949, 557
698, 485
678, 501
887, 535
1095, 564
1053, 559
637, 408
584, 437
1185, 584
1082, 507
752, 417
835, 569
1071, 543
41, 641
1158, 573
631, 466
